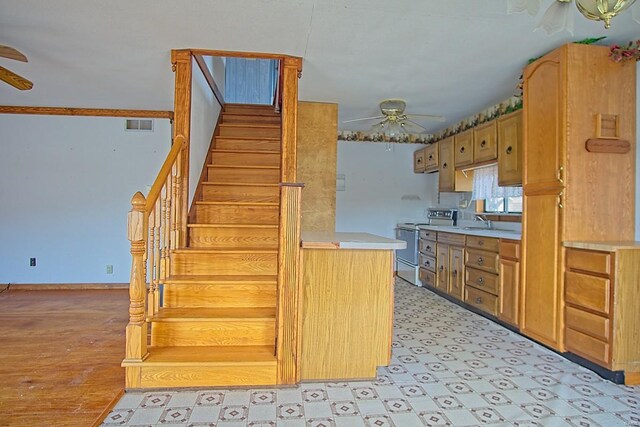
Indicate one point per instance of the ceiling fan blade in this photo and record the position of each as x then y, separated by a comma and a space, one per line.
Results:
415, 124
364, 118
428, 117
15, 80
11, 53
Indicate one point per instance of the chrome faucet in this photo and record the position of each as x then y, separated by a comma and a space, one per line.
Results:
484, 220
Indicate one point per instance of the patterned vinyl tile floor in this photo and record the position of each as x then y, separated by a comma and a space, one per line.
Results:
450, 367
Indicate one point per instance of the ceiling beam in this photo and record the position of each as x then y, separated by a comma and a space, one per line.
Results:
95, 112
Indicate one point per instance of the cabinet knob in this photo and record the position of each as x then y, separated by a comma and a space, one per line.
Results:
480, 242
479, 300
444, 166
480, 260
560, 205
427, 264
429, 248
441, 268
508, 150
455, 272
462, 149
419, 161
559, 174
430, 156
480, 281
483, 143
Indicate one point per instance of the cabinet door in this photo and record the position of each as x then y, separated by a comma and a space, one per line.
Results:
442, 260
418, 161
456, 272
541, 316
463, 143
485, 142
509, 286
510, 149
544, 139
431, 158
447, 170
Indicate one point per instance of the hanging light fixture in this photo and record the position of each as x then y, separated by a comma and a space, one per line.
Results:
603, 10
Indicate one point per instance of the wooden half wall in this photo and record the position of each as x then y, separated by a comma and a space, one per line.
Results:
317, 156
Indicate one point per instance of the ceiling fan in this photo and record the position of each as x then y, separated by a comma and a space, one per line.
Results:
10, 77
394, 120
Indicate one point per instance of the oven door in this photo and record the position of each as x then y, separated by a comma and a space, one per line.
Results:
410, 253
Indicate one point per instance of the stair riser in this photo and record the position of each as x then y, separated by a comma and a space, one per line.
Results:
250, 119
224, 264
232, 193
236, 237
218, 296
246, 159
227, 214
207, 376
248, 109
258, 176
212, 332
242, 144
248, 132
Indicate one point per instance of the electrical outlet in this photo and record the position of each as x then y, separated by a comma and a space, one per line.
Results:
32, 262
109, 269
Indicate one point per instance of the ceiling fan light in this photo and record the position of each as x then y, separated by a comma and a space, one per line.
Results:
559, 17
603, 10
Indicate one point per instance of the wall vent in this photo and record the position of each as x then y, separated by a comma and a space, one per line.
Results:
144, 125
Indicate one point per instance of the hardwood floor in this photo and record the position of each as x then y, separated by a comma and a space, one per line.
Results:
61, 352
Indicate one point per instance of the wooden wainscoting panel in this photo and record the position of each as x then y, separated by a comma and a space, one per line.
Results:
317, 154
346, 313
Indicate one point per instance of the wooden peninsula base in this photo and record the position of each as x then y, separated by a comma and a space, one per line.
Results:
347, 305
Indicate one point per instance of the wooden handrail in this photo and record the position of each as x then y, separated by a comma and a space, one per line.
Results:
179, 144
209, 78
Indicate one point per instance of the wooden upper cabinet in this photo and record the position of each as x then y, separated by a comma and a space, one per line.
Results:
463, 148
446, 178
418, 161
485, 142
543, 165
510, 149
431, 163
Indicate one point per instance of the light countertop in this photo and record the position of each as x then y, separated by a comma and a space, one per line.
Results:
603, 246
499, 234
334, 240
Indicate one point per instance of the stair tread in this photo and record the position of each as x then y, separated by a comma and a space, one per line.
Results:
208, 202
244, 184
243, 166
251, 125
224, 250
204, 355
230, 225
266, 279
228, 150
267, 139
214, 313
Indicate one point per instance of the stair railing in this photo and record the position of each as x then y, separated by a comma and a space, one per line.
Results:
154, 225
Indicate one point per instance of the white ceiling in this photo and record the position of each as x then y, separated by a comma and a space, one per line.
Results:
448, 57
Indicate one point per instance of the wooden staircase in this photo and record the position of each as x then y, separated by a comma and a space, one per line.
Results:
217, 322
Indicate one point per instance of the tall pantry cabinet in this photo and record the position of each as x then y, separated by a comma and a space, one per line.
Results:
571, 95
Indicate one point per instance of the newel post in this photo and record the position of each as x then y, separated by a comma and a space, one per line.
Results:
136, 346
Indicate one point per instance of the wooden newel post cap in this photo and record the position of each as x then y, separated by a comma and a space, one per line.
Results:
136, 217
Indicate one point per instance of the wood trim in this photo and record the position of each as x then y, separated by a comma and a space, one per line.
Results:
496, 217
91, 112
209, 78
179, 144
64, 286
289, 121
289, 294
239, 54
100, 418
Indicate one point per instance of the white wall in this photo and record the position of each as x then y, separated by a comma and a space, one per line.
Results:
204, 115
65, 189
381, 188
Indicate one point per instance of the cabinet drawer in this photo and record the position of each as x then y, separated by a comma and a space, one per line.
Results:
485, 142
592, 261
479, 279
588, 347
482, 300
510, 249
427, 247
428, 278
427, 262
587, 291
428, 235
485, 243
451, 239
588, 323
431, 158
483, 260
418, 161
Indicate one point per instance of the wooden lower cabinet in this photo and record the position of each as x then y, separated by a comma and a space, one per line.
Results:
509, 286
450, 264
601, 315
481, 274
456, 277
427, 258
